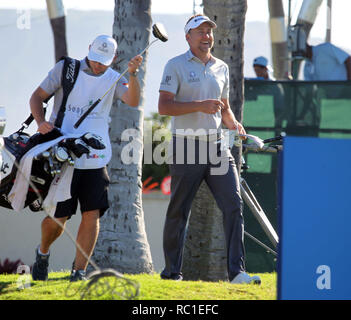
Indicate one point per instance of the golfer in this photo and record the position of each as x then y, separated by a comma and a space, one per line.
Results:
195, 92
90, 179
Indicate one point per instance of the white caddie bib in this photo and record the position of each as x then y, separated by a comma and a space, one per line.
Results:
86, 91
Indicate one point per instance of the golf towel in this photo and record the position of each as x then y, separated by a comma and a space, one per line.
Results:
58, 190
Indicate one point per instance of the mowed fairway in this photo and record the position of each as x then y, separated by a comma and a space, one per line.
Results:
148, 287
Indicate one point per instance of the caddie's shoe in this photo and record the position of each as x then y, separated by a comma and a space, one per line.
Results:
243, 277
40, 266
77, 275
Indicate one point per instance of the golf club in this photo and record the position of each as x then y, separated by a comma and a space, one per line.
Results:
159, 33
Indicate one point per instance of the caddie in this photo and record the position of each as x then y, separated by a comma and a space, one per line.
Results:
90, 180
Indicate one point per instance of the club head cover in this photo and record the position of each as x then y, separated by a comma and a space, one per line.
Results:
93, 140
77, 146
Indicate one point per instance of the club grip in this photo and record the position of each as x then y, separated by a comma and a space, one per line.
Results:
277, 138
86, 113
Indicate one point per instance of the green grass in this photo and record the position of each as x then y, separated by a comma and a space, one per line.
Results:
151, 287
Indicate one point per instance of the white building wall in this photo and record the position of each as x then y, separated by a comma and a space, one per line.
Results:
20, 234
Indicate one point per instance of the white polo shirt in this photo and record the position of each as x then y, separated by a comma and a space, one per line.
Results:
190, 79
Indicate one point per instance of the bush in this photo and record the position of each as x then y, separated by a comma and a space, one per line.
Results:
154, 171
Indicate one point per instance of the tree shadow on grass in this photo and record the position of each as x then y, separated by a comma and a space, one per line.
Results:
59, 278
4, 285
21, 283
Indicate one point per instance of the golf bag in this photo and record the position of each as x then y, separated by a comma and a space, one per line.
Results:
49, 162
44, 166
14, 148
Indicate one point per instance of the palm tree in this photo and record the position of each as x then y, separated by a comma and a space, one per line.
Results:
204, 252
122, 242
57, 17
279, 40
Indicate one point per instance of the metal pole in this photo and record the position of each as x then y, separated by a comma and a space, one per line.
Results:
289, 15
329, 21
306, 17
260, 243
308, 14
290, 62
258, 212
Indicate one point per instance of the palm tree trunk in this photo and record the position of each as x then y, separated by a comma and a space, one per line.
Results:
57, 17
279, 39
205, 256
204, 252
122, 242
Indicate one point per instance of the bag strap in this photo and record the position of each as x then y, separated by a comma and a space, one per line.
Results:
26, 123
68, 79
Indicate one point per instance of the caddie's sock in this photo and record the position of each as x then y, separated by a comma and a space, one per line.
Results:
43, 254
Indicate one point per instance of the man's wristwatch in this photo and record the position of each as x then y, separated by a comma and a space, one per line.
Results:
135, 73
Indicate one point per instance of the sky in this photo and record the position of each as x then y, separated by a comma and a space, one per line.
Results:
257, 11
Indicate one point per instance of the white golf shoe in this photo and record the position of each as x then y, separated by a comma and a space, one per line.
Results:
243, 277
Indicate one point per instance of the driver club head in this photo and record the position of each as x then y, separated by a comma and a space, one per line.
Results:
159, 31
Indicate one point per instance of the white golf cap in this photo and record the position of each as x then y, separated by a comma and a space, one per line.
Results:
196, 21
103, 50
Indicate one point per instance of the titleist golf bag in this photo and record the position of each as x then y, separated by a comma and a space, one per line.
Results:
45, 165
49, 162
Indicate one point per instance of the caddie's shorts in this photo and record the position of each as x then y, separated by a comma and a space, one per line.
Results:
90, 188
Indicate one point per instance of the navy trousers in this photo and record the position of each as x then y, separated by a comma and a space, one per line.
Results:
225, 187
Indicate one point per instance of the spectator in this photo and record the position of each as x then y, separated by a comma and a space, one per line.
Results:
326, 62
263, 72
262, 68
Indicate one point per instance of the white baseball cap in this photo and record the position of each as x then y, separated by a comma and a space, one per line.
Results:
103, 50
262, 61
196, 21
